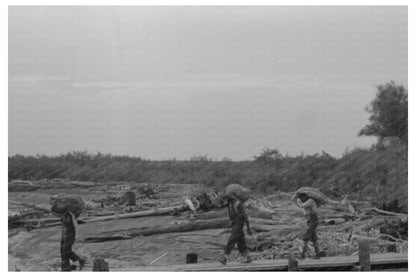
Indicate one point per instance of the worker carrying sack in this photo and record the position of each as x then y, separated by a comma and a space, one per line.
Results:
237, 191
315, 194
61, 204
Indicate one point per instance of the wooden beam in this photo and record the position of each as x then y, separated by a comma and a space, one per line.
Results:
292, 263
364, 255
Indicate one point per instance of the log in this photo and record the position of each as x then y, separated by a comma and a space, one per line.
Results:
262, 228
134, 232
333, 221
32, 206
160, 211
404, 216
40, 221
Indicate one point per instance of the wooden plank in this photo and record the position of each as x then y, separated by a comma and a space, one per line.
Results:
282, 265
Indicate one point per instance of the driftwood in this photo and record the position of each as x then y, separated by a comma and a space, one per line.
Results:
160, 211
400, 215
32, 206
333, 221
134, 232
263, 228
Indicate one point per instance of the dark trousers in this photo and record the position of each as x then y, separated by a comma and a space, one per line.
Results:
236, 237
310, 234
67, 254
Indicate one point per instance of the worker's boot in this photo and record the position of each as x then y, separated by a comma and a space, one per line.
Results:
82, 262
304, 249
317, 252
224, 258
71, 267
246, 258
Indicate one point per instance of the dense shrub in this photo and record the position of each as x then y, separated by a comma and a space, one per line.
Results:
376, 173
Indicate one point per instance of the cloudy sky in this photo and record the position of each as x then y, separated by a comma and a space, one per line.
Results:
165, 82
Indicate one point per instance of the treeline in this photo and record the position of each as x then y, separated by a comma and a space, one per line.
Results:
377, 173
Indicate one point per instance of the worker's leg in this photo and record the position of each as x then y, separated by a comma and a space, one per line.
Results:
232, 240
242, 248
304, 249
65, 264
317, 251
306, 238
65, 257
314, 236
241, 244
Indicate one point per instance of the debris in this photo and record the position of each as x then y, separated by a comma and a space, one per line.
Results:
158, 258
191, 258
100, 265
128, 199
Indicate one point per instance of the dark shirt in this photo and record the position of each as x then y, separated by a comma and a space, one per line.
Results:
236, 213
68, 229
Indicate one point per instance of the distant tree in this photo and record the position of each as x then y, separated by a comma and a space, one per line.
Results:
388, 114
269, 157
200, 159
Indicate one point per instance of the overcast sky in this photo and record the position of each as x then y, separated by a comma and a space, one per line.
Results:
165, 82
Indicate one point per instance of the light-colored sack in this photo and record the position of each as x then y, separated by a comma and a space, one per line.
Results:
61, 204
315, 194
237, 191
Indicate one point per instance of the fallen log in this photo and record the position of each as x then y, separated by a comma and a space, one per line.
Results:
278, 194
404, 216
157, 211
178, 228
263, 228
333, 221
32, 206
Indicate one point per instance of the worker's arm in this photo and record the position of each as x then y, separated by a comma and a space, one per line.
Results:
309, 203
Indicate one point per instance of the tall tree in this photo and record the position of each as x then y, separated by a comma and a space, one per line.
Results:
388, 114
